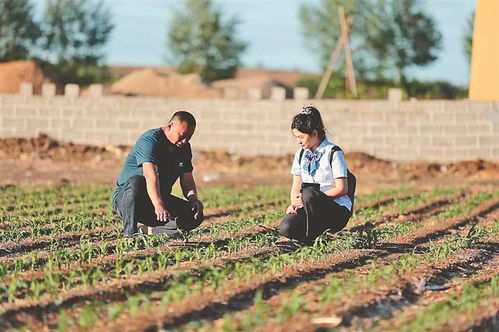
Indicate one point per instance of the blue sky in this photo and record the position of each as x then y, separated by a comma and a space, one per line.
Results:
273, 31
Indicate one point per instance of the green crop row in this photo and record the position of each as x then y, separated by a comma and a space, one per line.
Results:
337, 291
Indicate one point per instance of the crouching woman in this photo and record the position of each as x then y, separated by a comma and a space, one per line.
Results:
319, 200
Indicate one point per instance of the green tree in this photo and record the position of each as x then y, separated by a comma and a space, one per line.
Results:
321, 31
18, 31
76, 32
468, 37
202, 42
387, 36
405, 37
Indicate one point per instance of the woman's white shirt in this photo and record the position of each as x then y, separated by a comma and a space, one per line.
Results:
326, 172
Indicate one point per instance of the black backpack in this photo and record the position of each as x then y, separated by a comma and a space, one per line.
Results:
351, 179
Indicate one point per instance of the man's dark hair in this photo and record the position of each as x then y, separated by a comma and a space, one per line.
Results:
308, 120
184, 116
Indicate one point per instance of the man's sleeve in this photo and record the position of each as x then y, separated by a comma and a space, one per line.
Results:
187, 159
146, 150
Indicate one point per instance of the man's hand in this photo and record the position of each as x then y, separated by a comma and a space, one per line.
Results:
197, 208
162, 214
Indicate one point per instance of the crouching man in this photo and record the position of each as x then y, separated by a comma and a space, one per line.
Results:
143, 191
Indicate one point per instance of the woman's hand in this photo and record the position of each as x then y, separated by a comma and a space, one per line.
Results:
297, 202
291, 209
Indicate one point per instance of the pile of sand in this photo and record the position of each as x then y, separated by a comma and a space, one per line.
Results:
242, 86
46, 148
13, 73
289, 78
163, 83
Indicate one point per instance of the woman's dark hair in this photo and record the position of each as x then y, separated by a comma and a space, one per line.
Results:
308, 120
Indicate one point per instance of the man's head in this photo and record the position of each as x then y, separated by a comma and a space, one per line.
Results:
180, 128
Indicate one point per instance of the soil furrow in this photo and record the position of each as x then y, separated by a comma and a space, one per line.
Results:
434, 231
106, 262
115, 289
465, 265
484, 269
377, 300
67, 239
420, 212
239, 293
9, 250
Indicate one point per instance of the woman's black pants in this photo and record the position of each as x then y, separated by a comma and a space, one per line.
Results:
134, 205
319, 213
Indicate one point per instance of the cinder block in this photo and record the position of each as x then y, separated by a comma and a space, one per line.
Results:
301, 93
25, 111
356, 129
392, 140
465, 117
382, 129
105, 124
96, 90
492, 140
50, 110
407, 129
26, 89
442, 141
255, 94
277, 93
373, 141
82, 123
39, 123
126, 124
482, 153
395, 117
71, 90
95, 137
71, 111
476, 129
466, 141
231, 93
430, 129
48, 89
420, 116
372, 116
456, 129
445, 118
418, 140
457, 105
60, 123
13, 122
395, 94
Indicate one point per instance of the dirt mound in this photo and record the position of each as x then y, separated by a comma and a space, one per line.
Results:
163, 83
44, 147
13, 73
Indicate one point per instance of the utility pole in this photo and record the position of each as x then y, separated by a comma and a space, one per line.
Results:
343, 42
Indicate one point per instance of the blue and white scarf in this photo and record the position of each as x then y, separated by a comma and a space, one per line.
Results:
312, 159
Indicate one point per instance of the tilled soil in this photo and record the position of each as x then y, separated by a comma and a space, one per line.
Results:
43, 160
451, 250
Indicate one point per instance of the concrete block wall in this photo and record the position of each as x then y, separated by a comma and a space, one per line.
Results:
397, 130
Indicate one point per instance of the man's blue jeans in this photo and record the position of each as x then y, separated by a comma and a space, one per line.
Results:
133, 205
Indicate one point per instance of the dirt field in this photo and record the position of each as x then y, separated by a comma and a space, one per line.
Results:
45, 161
419, 254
